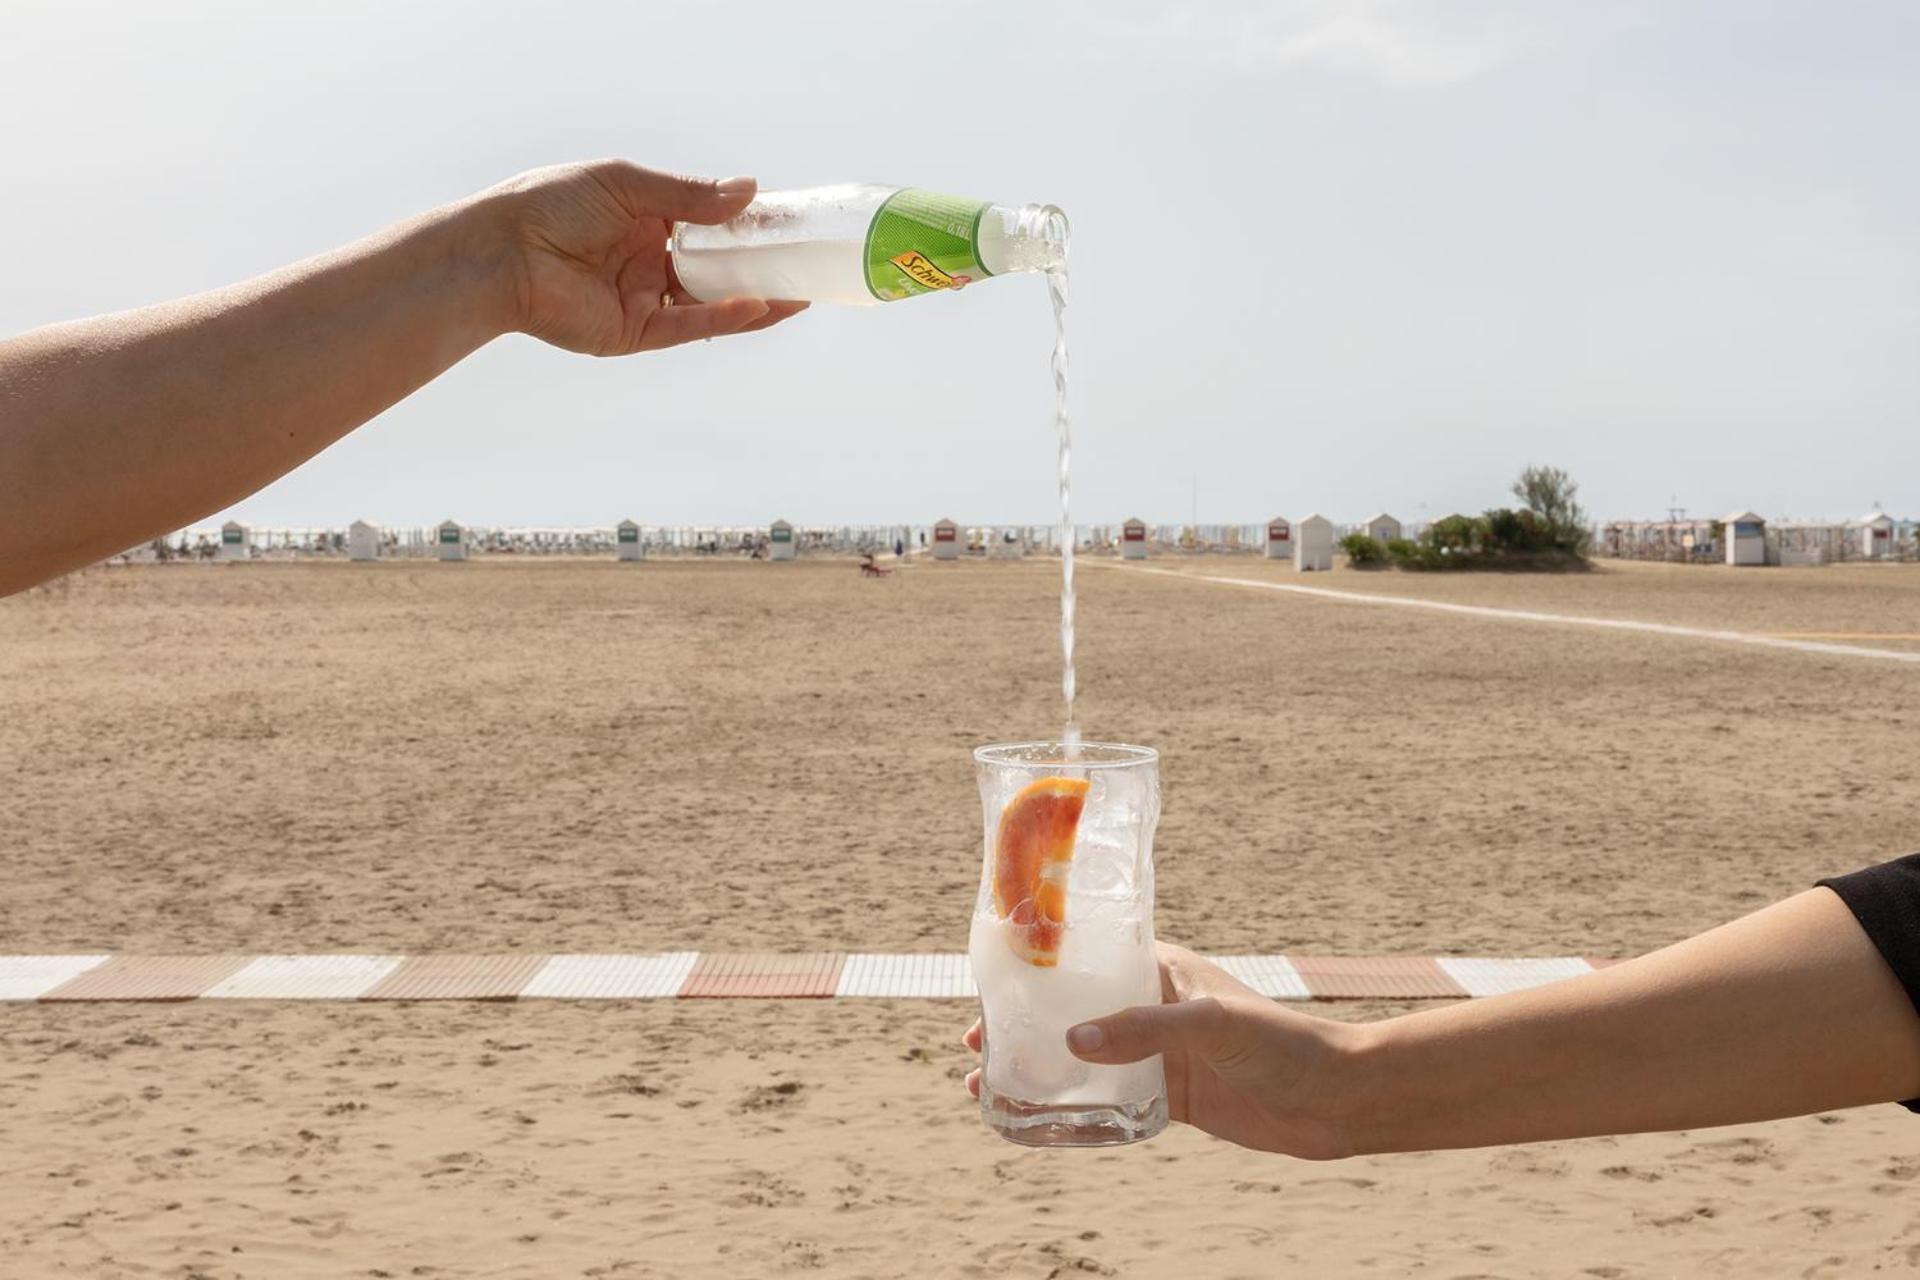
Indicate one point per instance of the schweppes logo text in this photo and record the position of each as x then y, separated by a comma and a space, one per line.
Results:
921, 270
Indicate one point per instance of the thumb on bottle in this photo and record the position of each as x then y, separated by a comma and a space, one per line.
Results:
704, 200
1189, 1026
675, 197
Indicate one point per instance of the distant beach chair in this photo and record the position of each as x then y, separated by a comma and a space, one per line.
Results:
870, 569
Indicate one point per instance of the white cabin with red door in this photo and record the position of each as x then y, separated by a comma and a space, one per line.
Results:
1279, 539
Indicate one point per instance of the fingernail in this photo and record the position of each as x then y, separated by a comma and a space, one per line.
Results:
733, 186
1085, 1038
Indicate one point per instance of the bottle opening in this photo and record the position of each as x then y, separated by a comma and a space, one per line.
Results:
1031, 238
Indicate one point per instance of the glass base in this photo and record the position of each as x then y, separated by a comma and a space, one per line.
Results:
1072, 1124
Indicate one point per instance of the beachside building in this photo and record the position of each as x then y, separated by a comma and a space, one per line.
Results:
1876, 535
1133, 540
1279, 539
1313, 545
451, 539
780, 543
1381, 527
1746, 538
1794, 543
363, 541
946, 540
626, 541
235, 541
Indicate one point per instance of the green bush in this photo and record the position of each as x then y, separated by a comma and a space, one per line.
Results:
1403, 552
1550, 497
1550, 532
1362, 550
1522, 531
1452, 536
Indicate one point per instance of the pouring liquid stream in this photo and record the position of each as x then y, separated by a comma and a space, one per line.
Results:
1063, 427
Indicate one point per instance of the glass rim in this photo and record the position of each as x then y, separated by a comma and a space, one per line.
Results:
1117, 755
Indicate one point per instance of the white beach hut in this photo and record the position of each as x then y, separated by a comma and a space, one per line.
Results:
363, 541
451, 538
1133, 540
1279, 539
780, 544
1876, 535
626, 541
946, 540
1313, 544
1746, 538
235, 540
1381, 527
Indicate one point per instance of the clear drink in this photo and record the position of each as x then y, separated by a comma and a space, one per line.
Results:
1057, 940
862, 243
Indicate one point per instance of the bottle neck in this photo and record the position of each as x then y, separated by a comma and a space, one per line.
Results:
1031, 238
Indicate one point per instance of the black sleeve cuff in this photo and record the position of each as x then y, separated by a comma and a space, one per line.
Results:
1886, 901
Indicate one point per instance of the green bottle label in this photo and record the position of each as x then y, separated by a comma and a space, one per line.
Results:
921, 241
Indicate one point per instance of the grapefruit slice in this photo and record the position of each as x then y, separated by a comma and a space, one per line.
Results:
1031, 856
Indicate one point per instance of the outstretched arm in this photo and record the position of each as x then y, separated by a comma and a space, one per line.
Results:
1787, 1011
121, 428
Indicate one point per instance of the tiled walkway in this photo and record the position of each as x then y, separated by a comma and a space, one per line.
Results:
690, 975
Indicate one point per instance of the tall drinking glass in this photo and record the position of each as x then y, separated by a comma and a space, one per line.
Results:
1063, 932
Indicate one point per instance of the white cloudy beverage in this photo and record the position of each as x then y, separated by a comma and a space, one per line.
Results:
863, 243
1084, 952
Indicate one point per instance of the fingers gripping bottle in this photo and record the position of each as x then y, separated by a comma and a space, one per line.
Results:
862, 243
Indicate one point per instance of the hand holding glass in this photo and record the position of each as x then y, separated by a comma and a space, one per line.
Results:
1063, 932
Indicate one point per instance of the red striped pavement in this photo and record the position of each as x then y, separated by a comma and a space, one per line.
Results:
686, 975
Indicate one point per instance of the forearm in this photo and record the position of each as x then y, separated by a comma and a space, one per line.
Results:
1787, 1011
117, 429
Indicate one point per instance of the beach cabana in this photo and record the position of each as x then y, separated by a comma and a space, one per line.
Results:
626, 541
780, 544
363, 541
1279, 539
946, 540
235, 540
451, 539
1746, 538
1133, 540
1381, 527
1876, 535
1313, 545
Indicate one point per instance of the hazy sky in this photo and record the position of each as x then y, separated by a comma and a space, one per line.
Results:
1327, 255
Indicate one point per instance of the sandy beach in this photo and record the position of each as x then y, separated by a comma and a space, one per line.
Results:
580, 756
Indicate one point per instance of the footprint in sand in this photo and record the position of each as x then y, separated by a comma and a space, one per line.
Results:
1903, 1169
770, 1097
623, 1084
801, 1255
1628, 1171
1681, 1219
764, 1191
1740, 1151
